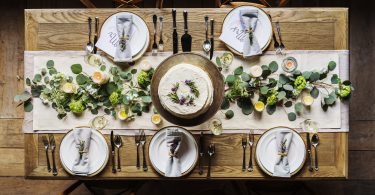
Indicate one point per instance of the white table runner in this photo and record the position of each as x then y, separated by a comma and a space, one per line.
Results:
44, 119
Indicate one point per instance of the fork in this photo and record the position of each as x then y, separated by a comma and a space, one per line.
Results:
244, 144
211, 153
52, 143
143, 143
137, 143
282, 47
275, 42
251, 143
154, 45
46, 146
118, 144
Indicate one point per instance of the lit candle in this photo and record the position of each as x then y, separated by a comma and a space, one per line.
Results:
289, 64
69, 88
121, 114
259, 106
307, 100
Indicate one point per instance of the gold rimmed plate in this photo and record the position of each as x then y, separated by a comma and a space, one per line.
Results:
263, 32
266, 152
98, 153
201, 62
159, 153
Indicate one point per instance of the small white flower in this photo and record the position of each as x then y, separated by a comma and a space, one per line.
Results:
145, 66
69, 88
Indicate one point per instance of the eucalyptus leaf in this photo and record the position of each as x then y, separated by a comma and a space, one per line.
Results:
43, 71
346, 82
288, 104
273, 66
324, 106
37, 78
281, 95
46, 79
245, 77
218, 61
271, 109
292, 116
50, 64
103, 67
314, 76
76, 68
299, 107
36, 90
94, 111
314, 92
229, 114
70, 79
146, 99
247, 107
331, 65
111, 87
52, 71
283, 79
264, 90
81, 79
133, 71
230, 79
238, 70
306, 74
28, 106
107, 111
335, 79
288, 87
225, 104
28, 82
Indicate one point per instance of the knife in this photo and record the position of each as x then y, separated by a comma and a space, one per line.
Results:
113, 153
186, 38
175, 36
96, 33
201, 153
309, 151
212, 39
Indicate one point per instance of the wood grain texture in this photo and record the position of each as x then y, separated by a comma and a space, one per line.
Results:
303, 28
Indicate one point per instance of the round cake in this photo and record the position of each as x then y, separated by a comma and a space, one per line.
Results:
185, 91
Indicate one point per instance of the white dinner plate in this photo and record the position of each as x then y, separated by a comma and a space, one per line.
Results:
159, 152
266, 151
98, 152
139, 38
263, 31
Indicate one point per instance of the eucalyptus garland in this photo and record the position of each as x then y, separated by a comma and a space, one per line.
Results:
113, 91
184, 100
284, 90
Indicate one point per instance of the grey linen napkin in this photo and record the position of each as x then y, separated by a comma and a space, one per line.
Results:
82, 137
124, 23
173, 139
248, 20
283, 140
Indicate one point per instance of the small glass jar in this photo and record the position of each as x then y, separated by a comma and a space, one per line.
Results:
310, 126
216, 126
289, 64
98, 122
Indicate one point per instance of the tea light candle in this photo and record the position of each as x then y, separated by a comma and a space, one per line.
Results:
289, 64
69, 88
99, 77
259, 106
307, 100
121, 114
156, 119
256, 71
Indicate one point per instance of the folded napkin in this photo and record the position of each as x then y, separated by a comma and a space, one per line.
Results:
283, 140
249, 19
173, 139
124, 23
82, 137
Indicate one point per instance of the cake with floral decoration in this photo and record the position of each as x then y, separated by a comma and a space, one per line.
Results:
186, 91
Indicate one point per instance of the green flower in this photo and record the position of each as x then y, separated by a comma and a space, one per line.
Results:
59, 97
144, 78
345, 91
272, 99
58, 78
113, 98
300, 83
76, 106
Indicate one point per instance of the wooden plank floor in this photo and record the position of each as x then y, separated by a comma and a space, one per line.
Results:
362, 118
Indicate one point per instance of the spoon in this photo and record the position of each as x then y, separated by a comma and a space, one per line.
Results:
89, 45
206, 43
315, 142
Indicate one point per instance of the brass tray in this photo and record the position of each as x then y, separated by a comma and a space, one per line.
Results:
206, 65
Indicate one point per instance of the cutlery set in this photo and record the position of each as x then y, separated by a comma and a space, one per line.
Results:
140, 140
210, 153
49, 143
247, 140
313, 141
279, 48
90, 46
160, 45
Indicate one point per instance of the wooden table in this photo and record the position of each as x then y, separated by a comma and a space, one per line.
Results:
302, 28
